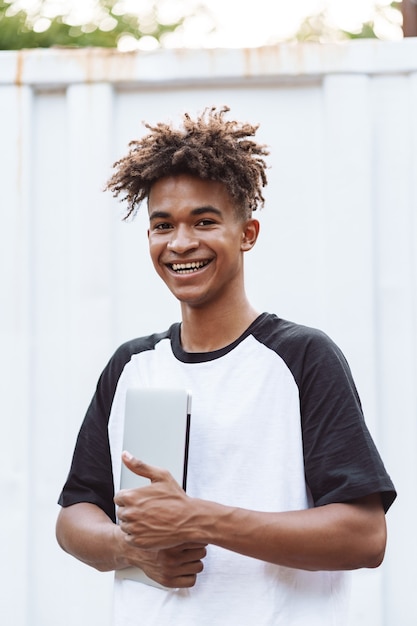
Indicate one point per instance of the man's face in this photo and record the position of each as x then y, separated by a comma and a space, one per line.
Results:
196, 239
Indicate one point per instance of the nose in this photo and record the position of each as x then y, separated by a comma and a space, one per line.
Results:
182, 240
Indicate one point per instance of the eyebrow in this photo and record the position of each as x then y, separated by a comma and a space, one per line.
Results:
197, 211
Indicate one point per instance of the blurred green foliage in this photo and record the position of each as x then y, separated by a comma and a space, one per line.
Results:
17, 28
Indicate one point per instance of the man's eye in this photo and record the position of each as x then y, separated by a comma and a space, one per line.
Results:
162, 226
205, 222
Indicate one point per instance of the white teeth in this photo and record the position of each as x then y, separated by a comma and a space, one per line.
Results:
188, 267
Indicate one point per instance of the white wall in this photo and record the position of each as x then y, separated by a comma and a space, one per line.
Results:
337, 251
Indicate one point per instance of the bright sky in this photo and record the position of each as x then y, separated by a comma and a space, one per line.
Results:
260, 22
243, 23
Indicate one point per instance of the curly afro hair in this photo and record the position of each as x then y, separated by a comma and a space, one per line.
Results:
208, 147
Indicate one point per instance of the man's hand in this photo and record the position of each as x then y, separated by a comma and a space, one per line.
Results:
153, 520
156, 516
173, 567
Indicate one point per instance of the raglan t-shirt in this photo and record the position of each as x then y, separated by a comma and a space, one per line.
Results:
276, 425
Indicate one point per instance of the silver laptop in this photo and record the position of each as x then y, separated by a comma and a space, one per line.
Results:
156, 431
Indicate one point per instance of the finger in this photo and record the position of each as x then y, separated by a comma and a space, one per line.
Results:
180, 582
181, 555
180, 574
140, 468
194, 555
185, 576
191, 568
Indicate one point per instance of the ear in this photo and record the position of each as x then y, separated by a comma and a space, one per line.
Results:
249, 234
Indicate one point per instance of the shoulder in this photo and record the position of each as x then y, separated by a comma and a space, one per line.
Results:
140, 344
126, 351
275, 331
298, 345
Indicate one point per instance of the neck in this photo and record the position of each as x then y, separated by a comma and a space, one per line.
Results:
204, 330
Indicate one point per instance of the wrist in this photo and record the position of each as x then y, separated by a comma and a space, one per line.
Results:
209, 521
120, 549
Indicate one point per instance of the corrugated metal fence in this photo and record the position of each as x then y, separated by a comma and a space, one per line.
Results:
337, 251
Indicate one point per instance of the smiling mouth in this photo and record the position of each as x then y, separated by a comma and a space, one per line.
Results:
188, 268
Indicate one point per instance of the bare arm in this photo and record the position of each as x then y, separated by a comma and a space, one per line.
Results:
86, 532
330, 537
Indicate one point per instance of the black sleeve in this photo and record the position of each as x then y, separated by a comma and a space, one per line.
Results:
90, 478
341, 460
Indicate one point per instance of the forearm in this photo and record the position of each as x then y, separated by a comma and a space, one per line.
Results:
86, 532
332, 537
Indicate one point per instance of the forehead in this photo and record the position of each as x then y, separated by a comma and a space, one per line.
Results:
189, 192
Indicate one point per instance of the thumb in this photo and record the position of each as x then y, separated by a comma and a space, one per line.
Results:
140, 468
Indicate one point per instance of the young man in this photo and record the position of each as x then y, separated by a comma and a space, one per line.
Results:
285, 488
